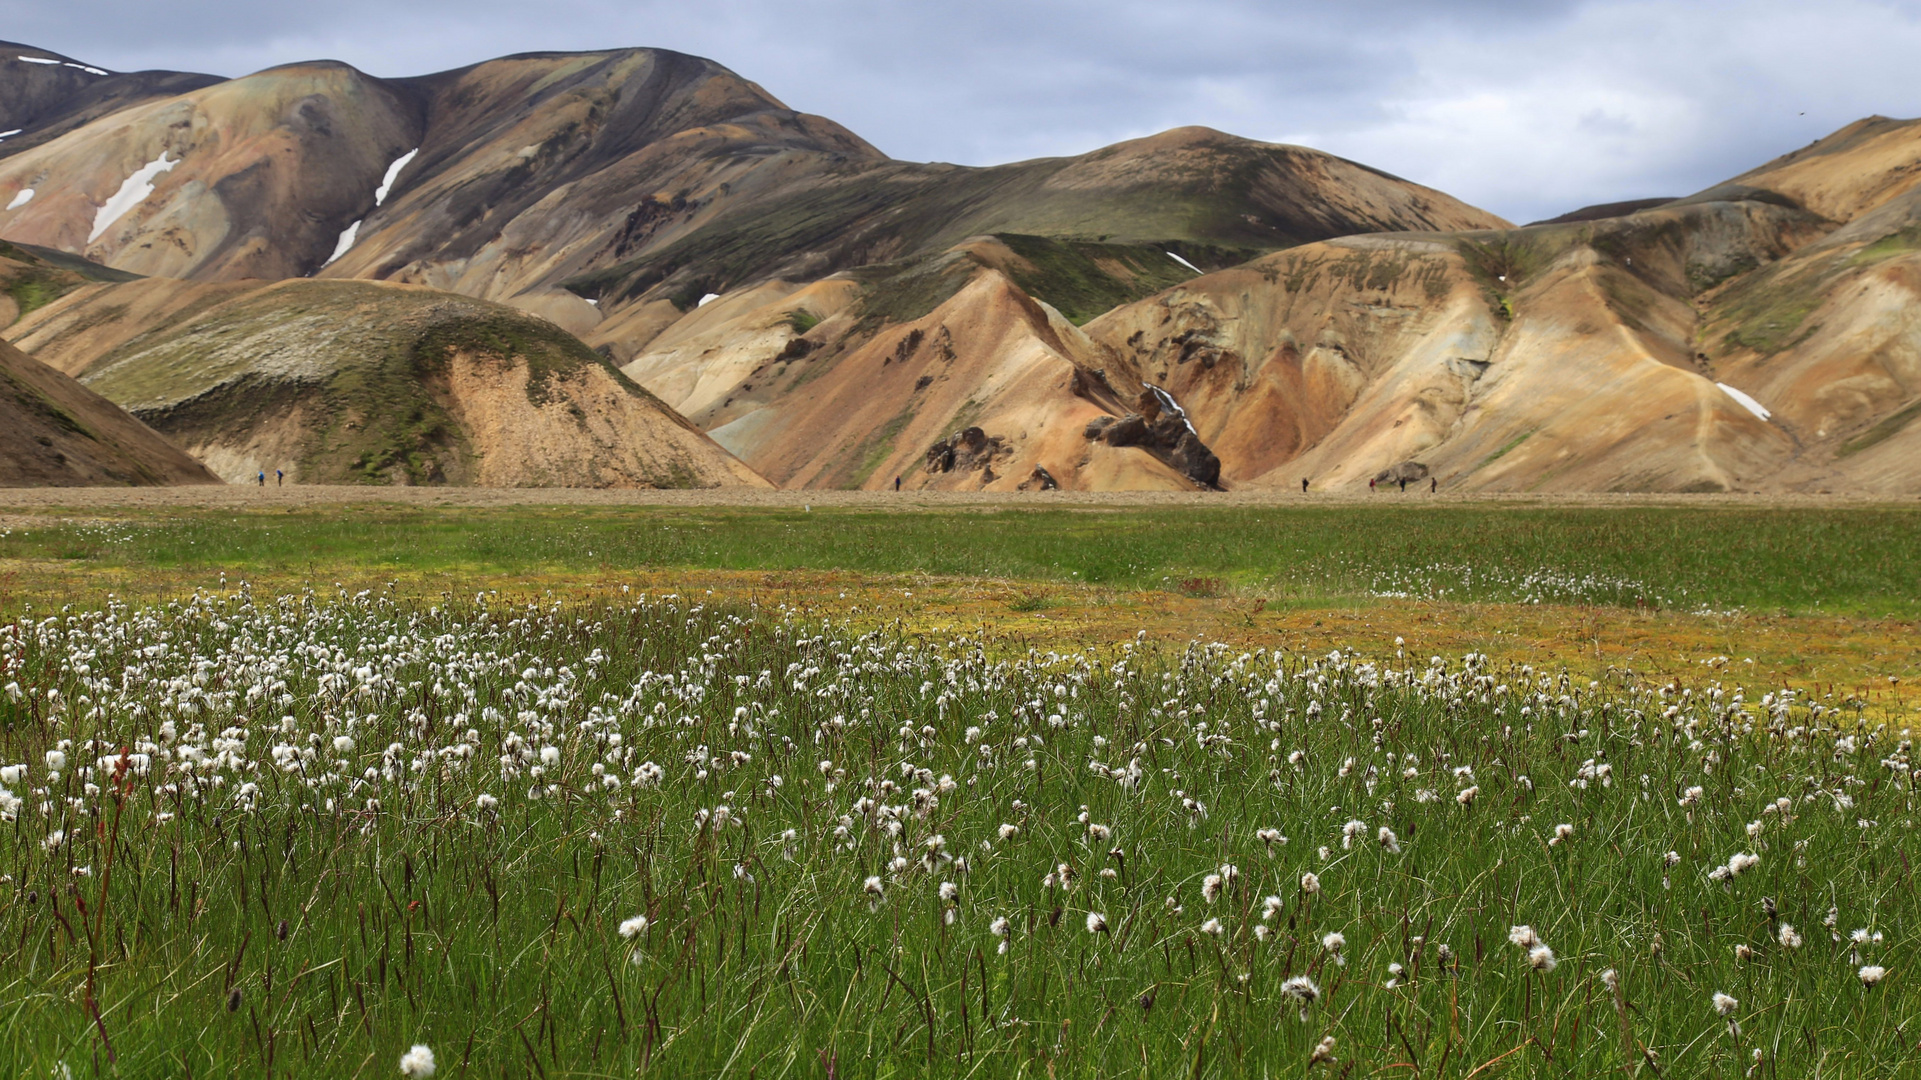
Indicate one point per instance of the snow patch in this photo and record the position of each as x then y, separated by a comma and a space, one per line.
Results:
11, 134
596, 303
21, 199
1168, 404
131, 194
1747, 402
36, 60
346, 241
393, 173
1184, 262
83, 67
708, 299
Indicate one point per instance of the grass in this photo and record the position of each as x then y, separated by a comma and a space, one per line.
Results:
1083, 279
298, 835
1845, 561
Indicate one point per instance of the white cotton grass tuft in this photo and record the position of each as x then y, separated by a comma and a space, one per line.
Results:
1303, 991
1323, 1051
1725, 1004
1096, 923
418, 1061
1523, 936
1870, 974
1310, 883
1541, 958
1562, 832
1213, 928
1211, 888
634, 927
1788, 936
1389, 841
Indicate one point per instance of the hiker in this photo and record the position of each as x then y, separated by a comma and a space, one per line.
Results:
263, 478
1433, 484
1370, 484
1403, 485
1303, 485
896, 483
279, 478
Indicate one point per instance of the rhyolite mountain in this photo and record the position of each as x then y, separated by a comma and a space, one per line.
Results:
1186, 310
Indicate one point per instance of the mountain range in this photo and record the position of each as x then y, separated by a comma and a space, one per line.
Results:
637, 268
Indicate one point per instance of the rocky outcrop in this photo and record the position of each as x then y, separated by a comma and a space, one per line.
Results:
1167, 436
969, 450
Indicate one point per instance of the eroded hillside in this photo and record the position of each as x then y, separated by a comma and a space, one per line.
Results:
363, 382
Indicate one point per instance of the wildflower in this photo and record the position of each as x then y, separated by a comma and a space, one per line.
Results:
54, 839
1725, 1005
1270, 907
1523, 936
1272, 838
1541, 958
1612, 980
417, 1062
1310, 883
343, 745
1323, 1051
1261, 932
1744, 952
1213, 927
1741, 862
1788, 937
1303, 991
1394, 973
1334, 941
634, 927
1007, 832
1691, 796
485, 801
1871, 974
1099, 833
1466, 795
1389, 841
1672, 858
1096, 923
1211, 888
1351, 832
873, 887
56, 760
948, 891
1562, 832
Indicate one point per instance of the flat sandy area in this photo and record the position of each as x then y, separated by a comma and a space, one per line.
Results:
239, 496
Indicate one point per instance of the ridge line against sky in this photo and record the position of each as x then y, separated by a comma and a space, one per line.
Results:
1525, 109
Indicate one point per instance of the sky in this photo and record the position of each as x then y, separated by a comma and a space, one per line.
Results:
1525, 109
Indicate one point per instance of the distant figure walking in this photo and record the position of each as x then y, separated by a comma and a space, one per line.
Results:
1370, 484
1403, 485
1303, 485
1433, 484
896, 483
279, 478
263, 478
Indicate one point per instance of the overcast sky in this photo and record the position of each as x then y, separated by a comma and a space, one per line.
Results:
1525, 109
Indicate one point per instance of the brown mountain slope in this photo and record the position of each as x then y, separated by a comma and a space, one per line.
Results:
851, 383
44, 95
1616, 354
506, 175
56, 433
253, 177
364, 382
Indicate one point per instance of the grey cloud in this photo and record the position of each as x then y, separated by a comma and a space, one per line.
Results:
1527, 109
